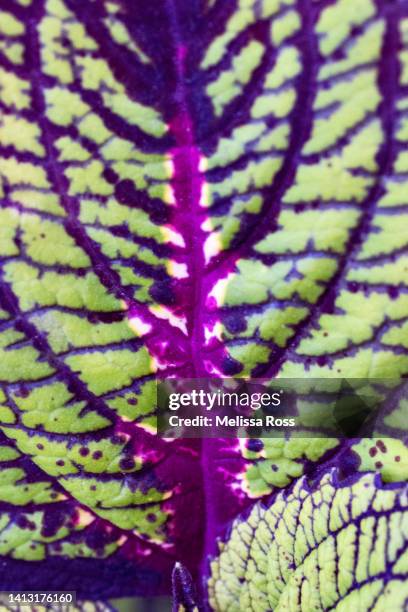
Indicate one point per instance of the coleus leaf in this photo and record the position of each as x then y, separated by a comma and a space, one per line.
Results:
336, 545
195, 189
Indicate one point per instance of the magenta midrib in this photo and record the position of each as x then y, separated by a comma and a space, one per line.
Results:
187, 184
188, 218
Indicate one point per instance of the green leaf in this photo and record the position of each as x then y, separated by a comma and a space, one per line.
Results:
332, 545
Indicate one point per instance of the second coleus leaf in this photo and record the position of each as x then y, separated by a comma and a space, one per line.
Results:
332, 545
